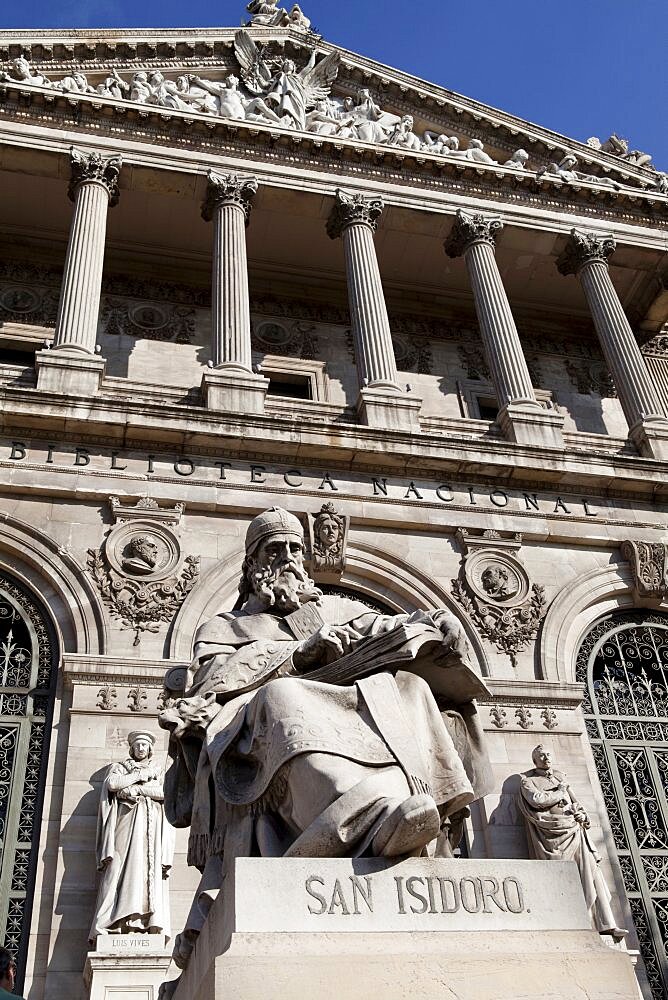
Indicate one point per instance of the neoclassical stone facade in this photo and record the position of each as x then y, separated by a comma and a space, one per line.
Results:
244, 269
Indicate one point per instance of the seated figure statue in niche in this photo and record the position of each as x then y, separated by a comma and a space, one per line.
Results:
135, 846
558, 830
142, 556
307, 730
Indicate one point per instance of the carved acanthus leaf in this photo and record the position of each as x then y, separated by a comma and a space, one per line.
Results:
92, 168
470, 228
228, 189
140, 605
353, 209
649, 562
585, 248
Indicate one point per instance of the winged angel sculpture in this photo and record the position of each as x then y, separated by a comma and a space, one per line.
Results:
290, 93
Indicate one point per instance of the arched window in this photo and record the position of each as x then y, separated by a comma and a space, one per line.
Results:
27, 679
624, 665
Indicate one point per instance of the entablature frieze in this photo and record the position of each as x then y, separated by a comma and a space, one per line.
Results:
617, 492
278, 153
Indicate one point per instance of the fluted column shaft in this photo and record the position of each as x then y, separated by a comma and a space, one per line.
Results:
93, 188
228, 205
586, 255
354, 219
474, 237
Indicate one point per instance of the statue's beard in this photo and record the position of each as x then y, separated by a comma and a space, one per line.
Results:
285, 589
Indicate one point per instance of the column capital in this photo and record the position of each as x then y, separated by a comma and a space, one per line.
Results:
93, 168
470, 228
228, 189
584, 248
353, 209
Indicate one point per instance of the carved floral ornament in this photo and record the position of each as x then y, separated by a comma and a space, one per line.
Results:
470, 228
649, 562
140, 570
228, 189
271, 89
585, 248
351, 210
495, 591
92, 168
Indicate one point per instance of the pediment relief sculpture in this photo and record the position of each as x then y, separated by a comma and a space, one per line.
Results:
139, 569
270, 88
495, 590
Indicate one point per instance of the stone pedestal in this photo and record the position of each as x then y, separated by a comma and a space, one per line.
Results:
127, 967
233, 390
389, 409
339, 929
532, 425
69, 372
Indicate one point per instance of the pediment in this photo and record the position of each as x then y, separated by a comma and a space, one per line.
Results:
327, 94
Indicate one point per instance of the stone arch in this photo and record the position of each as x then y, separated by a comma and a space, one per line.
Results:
66, 592
370, 570
575, 610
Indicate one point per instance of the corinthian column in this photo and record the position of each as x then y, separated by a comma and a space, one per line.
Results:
72, 365
586, 255
382, 403
521, 416
231, 384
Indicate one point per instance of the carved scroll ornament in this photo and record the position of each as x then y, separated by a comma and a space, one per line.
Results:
495, 591
649, 562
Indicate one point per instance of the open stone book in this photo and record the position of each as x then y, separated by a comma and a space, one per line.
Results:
417, 648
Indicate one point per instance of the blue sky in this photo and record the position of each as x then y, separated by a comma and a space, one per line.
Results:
580, 67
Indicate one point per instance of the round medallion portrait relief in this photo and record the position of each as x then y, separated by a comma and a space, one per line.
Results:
497, 577
142, 550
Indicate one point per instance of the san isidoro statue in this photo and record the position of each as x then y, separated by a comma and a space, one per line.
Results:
313, 726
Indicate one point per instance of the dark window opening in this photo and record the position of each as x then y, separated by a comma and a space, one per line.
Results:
487, 408
292, 386
17, 356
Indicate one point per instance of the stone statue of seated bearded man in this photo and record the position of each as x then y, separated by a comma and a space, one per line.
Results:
269, 761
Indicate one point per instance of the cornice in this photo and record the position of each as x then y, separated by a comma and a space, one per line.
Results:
93, 118
128, 424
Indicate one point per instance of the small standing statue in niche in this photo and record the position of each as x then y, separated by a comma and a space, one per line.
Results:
558, 830
135, 846
329, 535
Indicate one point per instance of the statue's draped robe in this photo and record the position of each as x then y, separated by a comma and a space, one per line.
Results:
253, 734
555, 835
135, 846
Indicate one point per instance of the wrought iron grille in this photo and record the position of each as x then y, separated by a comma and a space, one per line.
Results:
26, 698
623, 664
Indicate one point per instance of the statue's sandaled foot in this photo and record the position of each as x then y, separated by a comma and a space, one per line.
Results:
411, 826
616, 933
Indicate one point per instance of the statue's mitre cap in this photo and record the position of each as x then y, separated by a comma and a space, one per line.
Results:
275, 521
141, 734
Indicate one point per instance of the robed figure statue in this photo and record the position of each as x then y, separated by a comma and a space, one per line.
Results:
308, 729
135, 846
558, 830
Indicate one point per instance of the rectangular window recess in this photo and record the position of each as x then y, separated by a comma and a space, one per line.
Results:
289, 385
488, 408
